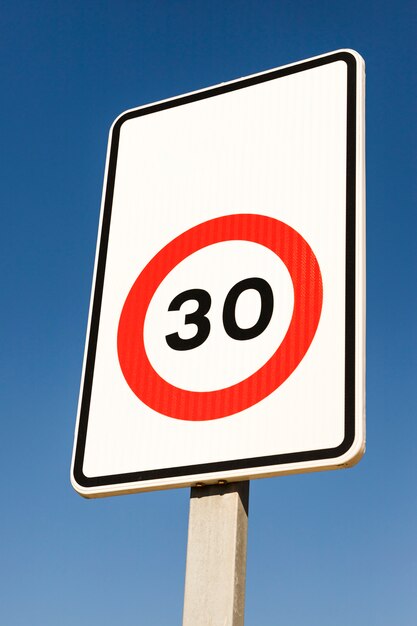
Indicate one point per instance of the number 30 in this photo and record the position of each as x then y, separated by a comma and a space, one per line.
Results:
231, 327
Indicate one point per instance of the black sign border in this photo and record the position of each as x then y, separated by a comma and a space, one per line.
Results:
350, 306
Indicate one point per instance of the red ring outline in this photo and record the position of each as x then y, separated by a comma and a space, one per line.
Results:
182, 404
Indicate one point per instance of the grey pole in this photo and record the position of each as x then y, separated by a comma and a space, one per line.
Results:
216, 555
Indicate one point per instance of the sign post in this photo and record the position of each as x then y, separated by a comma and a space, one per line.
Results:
216, 555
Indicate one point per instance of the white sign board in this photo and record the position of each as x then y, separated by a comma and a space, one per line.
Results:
226, 332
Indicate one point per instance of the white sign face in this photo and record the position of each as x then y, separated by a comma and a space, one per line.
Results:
226, 333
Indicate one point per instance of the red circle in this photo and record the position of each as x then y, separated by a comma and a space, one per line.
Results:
305, 273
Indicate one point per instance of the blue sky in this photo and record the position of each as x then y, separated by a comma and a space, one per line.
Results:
335, 547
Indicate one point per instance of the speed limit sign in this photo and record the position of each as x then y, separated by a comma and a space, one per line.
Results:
226, 330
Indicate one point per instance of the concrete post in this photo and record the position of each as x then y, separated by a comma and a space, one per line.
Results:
216, 555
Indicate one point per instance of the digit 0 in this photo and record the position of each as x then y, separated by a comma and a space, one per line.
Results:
229, 310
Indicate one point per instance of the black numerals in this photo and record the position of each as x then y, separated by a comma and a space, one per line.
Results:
229, 310
231, 327
198, 318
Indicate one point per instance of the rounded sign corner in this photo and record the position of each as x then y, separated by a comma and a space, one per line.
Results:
80, 483
353, 453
